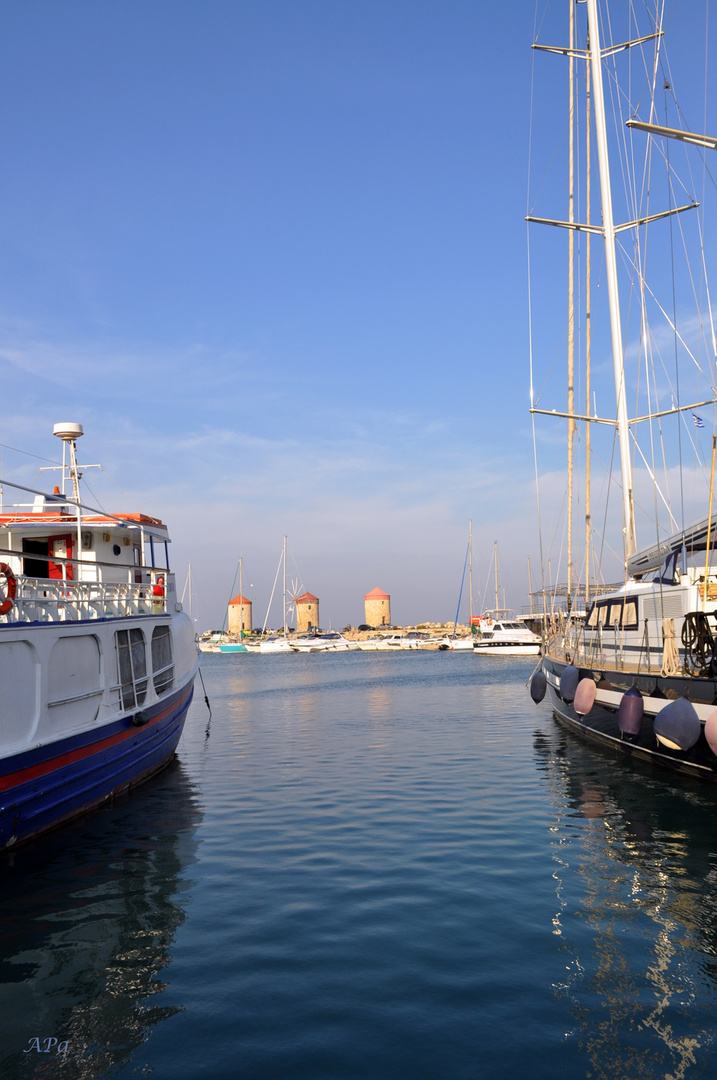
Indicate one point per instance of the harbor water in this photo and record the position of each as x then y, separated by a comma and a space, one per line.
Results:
369, 865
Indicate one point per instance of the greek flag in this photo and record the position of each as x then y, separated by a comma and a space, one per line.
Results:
697, 420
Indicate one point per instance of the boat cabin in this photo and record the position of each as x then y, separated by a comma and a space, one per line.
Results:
57, 559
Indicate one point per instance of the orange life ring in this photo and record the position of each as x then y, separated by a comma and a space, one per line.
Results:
10, 588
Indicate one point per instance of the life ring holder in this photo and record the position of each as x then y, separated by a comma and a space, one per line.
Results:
10, 588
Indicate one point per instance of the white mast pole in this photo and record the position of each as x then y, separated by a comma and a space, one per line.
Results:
285, 587
571, 301
470, 570
630, 543
241, 605
495, 558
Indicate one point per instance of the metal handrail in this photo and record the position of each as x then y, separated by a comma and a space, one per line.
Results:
61, 600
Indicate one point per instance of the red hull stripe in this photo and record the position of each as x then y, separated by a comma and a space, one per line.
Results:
32, 772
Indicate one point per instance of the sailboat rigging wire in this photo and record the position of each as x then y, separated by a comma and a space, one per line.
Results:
460, 594
273, 588
658, 490
231, 594
672, 327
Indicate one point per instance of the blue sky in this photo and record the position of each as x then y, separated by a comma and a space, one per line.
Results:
273, 257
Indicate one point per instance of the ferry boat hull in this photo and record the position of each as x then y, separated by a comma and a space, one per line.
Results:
48, 784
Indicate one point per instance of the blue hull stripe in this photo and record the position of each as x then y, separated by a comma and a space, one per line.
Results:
71, 781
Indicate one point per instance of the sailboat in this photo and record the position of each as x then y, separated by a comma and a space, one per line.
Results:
460, 643
500, 632
277, 643
234, 646
637, 670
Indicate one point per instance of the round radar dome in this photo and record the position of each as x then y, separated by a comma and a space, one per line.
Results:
68, 431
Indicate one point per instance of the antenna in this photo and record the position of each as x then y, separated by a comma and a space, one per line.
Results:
70, 433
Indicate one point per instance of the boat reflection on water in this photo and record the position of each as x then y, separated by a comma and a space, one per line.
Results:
88, 917
635, 866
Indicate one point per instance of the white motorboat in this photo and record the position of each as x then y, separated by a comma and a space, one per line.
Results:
457, 644
389, 643
331, 641
276, 643
499, 634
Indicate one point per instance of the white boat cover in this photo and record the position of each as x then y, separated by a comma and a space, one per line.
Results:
694, 538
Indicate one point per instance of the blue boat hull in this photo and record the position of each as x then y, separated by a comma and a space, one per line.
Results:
47, 785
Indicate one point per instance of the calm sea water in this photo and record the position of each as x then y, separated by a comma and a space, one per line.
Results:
370, 866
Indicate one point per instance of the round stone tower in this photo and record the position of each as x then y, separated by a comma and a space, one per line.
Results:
239, 618
307, 612
378, 608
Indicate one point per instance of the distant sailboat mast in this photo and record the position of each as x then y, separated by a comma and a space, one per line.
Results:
285, 587
470, 572
495, 559
241, 604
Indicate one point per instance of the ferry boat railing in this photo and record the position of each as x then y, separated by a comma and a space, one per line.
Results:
66, 600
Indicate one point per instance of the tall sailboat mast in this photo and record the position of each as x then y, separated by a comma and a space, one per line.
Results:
571, 300
629, 539
588, 339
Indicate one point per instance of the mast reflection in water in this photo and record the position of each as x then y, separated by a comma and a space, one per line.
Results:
88, 917
635, 865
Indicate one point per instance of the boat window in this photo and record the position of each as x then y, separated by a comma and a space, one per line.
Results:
132, 667
614, 612
629, 615
592, 616
162, 666
602, 613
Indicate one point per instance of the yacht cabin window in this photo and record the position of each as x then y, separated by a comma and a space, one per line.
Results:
606, 613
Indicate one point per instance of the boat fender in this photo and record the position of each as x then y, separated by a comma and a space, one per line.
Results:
140, 719
10, 588
585, 696
538, 686
629, 715
678, 725
569, 683
711, 731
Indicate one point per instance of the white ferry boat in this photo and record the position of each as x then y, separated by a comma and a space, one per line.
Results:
97, 657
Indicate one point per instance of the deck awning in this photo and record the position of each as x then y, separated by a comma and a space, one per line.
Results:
693, 538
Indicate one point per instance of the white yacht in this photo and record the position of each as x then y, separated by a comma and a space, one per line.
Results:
501, 634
